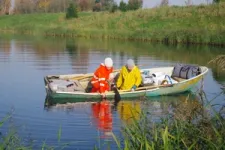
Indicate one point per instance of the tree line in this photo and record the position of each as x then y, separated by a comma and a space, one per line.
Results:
56, 6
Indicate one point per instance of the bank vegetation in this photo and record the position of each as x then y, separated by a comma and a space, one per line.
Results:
203, 24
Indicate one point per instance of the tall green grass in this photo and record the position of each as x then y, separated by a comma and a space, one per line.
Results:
205, 132
202, 24
10, 140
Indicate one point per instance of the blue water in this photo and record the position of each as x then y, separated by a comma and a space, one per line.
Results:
24, 61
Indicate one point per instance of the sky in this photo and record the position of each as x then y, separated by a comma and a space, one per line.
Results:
155, 3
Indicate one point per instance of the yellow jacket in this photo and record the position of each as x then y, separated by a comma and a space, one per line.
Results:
127, 79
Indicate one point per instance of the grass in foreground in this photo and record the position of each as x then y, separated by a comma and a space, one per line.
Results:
172, 133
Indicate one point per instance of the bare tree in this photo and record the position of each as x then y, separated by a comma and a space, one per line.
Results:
55, 6
25, 6
188, 2
83, 4
164, 3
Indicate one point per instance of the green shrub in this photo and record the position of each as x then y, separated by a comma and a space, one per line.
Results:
123, 6
71, 11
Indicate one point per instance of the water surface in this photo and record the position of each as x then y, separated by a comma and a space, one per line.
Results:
24, 61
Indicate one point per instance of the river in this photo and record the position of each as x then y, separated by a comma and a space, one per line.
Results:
25, 60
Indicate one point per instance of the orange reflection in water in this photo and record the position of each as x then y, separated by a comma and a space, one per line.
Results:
102, 115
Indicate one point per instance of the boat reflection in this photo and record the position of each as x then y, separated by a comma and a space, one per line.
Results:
53, 102
187, 106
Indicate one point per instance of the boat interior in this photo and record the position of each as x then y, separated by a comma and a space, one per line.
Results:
81, 82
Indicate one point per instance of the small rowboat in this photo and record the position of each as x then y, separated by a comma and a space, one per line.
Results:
75, 85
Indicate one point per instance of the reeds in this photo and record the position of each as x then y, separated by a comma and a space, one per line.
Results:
11, 140
219, 61
204, 132
175, 134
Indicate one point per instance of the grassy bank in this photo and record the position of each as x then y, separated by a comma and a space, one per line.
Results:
192, 24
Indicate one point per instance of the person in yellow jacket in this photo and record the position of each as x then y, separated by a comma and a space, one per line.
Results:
130, 76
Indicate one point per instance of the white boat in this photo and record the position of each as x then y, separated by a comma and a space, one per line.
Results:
74, 85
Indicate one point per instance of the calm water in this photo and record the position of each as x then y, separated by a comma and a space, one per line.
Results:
24, 61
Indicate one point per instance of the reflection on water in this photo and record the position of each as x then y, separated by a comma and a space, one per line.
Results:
129, 110
185, 106
189, 108
102, 117
219, 75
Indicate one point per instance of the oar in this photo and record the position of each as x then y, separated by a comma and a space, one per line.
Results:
117, 97
148, 87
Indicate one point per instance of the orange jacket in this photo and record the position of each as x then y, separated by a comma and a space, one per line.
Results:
99, 80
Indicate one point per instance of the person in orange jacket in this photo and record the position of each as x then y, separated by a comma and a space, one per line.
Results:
101, 76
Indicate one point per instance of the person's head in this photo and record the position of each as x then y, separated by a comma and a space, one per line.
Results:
130, 64
108, 63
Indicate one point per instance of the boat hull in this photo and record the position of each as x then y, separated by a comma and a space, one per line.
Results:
179, 87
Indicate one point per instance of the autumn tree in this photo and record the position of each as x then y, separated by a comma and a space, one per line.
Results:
43, 5
0, 7
83, 4
24, 6
5, 6
58, 5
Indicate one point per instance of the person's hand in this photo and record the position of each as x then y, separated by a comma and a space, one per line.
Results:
103, 95
133, 88
113, 86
